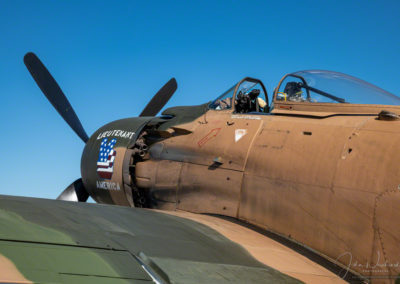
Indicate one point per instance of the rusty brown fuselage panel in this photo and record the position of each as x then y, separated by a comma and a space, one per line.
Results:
331, 183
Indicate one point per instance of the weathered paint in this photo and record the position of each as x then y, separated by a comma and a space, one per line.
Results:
336, 176
66, 242
110, 191
9, 273
322, 174
266, 250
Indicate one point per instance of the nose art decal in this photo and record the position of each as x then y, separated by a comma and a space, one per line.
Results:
105, 163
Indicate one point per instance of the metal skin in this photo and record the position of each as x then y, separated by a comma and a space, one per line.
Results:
51, 241
324, 176
115, 190
332, 184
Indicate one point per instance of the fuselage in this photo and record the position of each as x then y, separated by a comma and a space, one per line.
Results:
328, 182
313, 168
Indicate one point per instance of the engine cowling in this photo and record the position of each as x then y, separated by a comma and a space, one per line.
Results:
106, 160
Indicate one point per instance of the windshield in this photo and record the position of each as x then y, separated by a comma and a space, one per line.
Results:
332, 87
250, 97
223, 101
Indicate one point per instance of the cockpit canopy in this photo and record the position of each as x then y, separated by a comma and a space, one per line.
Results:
318, 86
307, 87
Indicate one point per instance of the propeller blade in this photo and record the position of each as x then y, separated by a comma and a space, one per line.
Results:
75, 192
160, 99
54, 93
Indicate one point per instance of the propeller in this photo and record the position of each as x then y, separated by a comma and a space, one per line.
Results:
160, 98
54, 93
76, 191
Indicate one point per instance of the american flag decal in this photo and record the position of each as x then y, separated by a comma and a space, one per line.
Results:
105, 163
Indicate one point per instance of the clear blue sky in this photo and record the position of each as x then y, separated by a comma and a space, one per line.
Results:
110, 57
